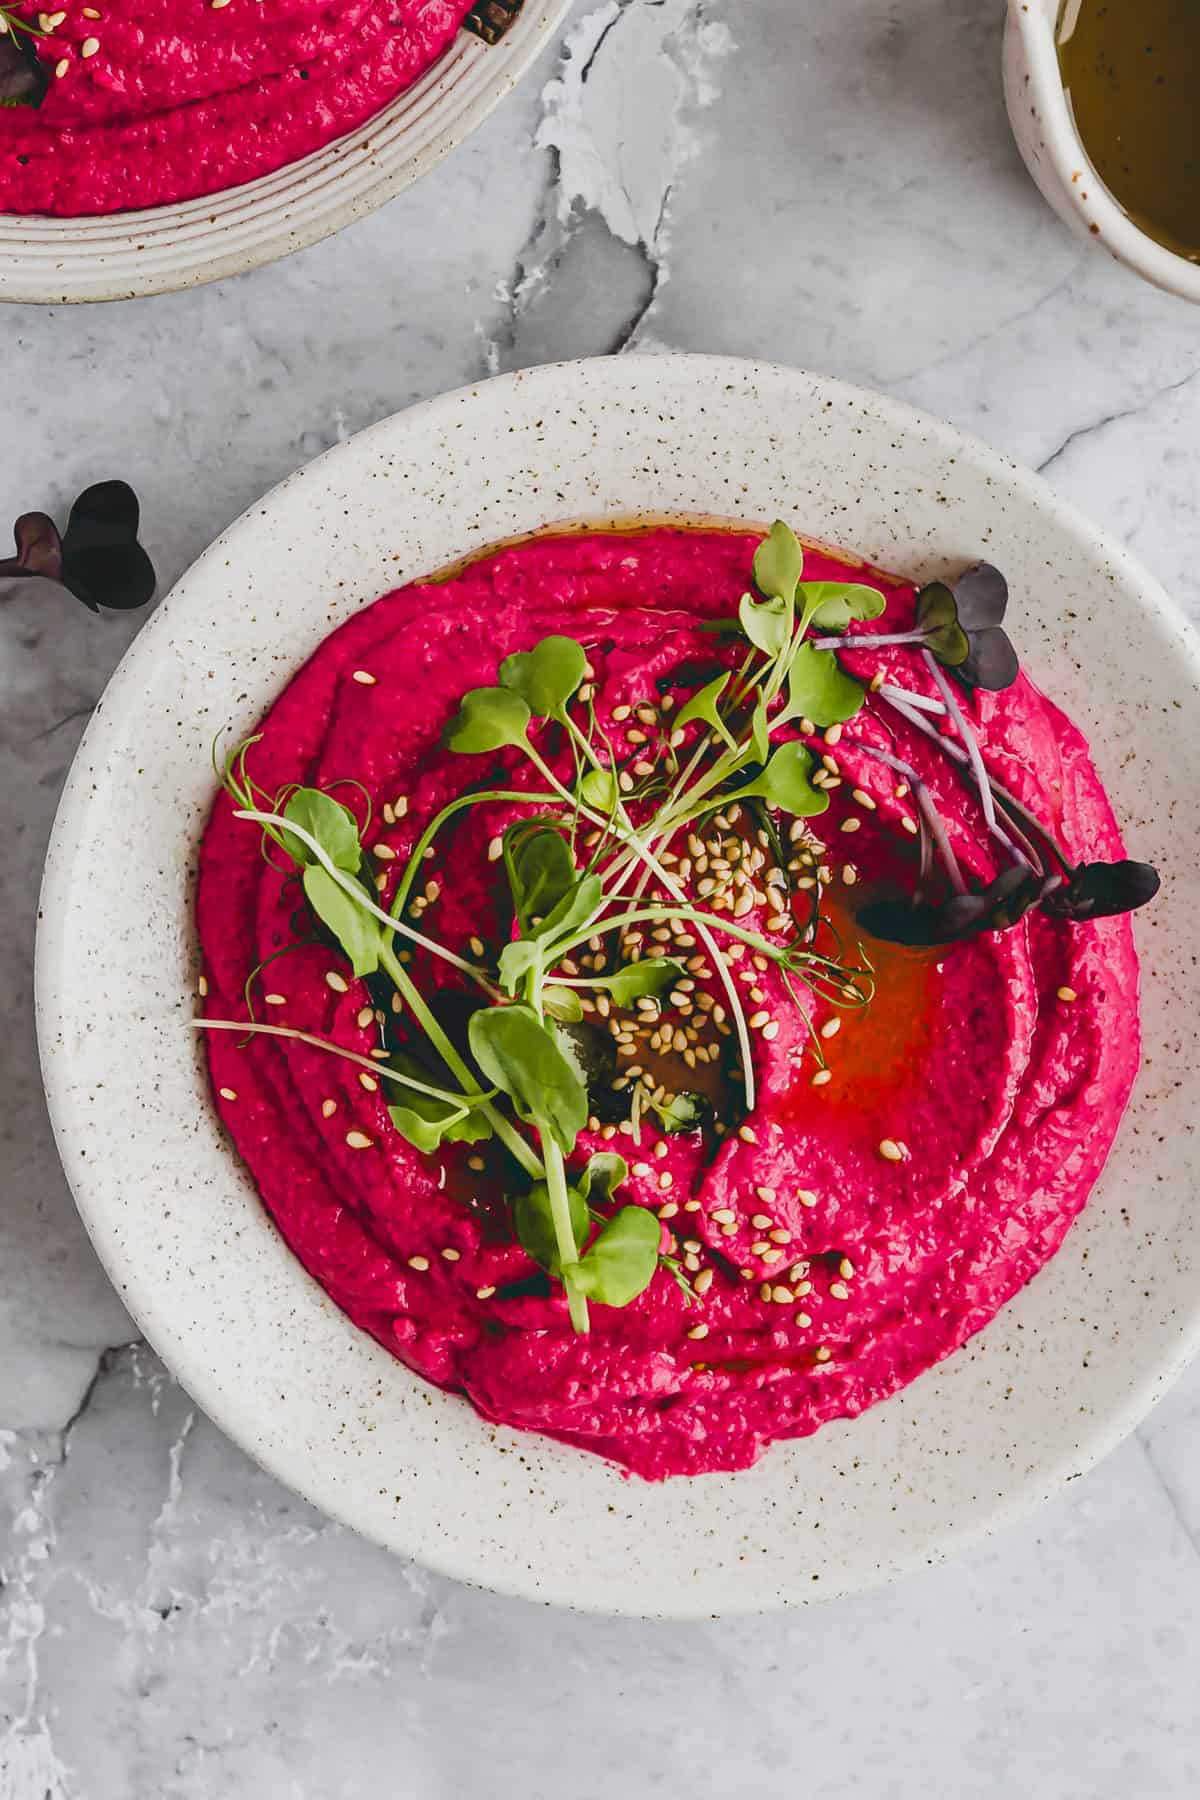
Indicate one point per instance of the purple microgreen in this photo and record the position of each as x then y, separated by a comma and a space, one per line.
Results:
997, 907
103, 563
937, 622
981, 596
1098, 890
930, 816
970, 742
97, 559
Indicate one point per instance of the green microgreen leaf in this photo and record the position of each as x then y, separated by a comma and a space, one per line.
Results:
598, 789
488, 719
767, 624
332, 825
574, 909
760, 730
704, 706
540, 869
786, 783
427, 1124
546, 676
681, 1112
602, 1175
937, 617
356, 930
563, 1004
779, 563
522, 1057
832, 604
820, 689
635, 981
621, 1263
533, 1217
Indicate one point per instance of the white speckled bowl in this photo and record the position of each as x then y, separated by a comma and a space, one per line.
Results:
119, 256
1052, 1383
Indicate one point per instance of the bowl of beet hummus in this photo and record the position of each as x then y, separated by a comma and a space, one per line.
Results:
643, 1002
152, 147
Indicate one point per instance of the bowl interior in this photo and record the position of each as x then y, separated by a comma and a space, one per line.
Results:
1050, 1384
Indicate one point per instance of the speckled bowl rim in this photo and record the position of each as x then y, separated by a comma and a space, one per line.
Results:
1052, 1384
162, 249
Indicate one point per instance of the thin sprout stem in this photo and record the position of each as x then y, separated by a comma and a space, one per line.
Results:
353, 890
351, 1056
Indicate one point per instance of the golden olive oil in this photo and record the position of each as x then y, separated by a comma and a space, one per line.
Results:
1131, 69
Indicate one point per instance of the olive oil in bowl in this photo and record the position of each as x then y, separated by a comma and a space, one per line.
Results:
1131, 71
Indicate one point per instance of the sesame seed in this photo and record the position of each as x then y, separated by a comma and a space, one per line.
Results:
764, 1292
780, 1235
495, 849
770, 1031
62, 66
833, 736
666, 1180
703, 1281
698, 1331
822, 1078
846, 1268
910, 825
850, 825
670, 1210
824, 1353
228, 1093
451, 1255
337, 982
745, 1132
806, 1197
202, 986
328, 1108
368, 1082
758, 1019
863, 799
383, 852
358, 1140
276, 999
364, 678
89, 47
724, 1215
419, 1263
365, 1017
772, 1255
831, 1027
782, 1296
484, 1293
621, 712
1068, 994
803, 1320
839, 1290
890, 1150
849, 874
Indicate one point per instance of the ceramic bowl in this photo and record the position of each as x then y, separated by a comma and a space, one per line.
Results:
1054, 154
1051, 1383
119, 256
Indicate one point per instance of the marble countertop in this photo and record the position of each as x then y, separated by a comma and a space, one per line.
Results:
831, 186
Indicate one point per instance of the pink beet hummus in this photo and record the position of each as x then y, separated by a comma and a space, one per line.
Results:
859, 1229
154, 101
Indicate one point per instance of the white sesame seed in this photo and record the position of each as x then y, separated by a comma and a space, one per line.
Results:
495, 849
328, 1108
890, 1150
383, 852
276, 999
89, 47
831, 1027
833, 736
822, 1078
368, 1082
358, 1140
824, 1353
782, 1296
698, 1331
419, 1263
724, 1215
846, 1268
772, 1255
745, 1132
910, 825
1067, 994
703, 1281
364, 678
202, 986
839, 1290
850, 824
62, 66
228, 1093
451, 1255
337, 982
806, 1197
770, 1031
484, 1293
364, 1017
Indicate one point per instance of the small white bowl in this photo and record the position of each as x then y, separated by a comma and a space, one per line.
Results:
121, 256
1055, 157
1051, 1383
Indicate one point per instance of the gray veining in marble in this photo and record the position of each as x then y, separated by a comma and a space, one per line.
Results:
825, 185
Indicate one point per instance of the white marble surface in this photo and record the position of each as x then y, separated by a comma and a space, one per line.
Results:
825, 185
